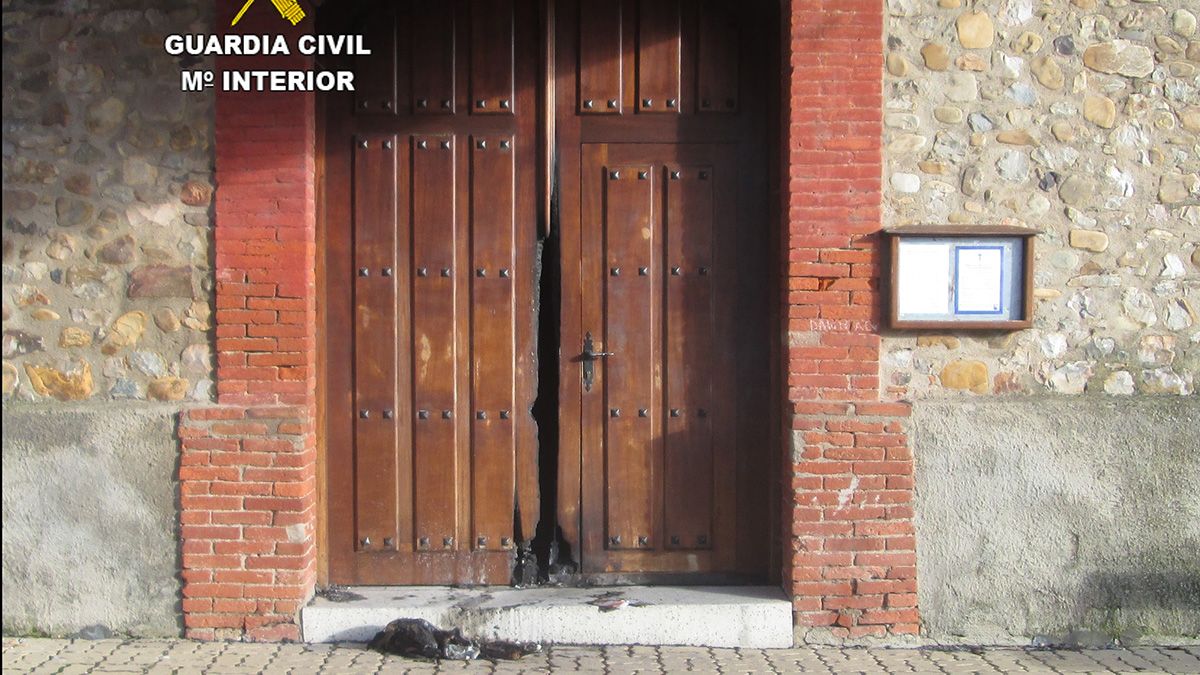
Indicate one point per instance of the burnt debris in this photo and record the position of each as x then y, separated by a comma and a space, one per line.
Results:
419, 639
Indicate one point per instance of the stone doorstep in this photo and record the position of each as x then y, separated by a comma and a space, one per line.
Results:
707, 616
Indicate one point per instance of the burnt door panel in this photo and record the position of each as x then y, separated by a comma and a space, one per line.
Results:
431, 447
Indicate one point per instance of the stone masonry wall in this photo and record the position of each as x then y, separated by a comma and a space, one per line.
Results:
107, 189
1080, 118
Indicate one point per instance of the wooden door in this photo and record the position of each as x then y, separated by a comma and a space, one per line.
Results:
429, 236
665, 416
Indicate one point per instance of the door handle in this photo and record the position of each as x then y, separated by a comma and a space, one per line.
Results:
589, 358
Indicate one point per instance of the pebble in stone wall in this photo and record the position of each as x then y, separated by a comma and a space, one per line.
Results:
107, 214
1080, 118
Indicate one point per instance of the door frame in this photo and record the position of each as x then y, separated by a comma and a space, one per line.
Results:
552, 151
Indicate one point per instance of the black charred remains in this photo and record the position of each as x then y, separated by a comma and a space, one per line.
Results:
419, 639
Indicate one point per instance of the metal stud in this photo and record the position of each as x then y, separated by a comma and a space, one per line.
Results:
643, 540
482, 145
670, 103
387, 105
364, 413
588, 104
446, 414
615, 271
643, 271
612, 102
423, 542
615, 540
445, 145
504, 272
643, 175
364, 105
364, 272
481, 103
481, 541
447, 542
674, 175
389, 542
446, 103
703, 175
674, 540
422, 103
614, 412
389, 414
481, 415
445, 271
702, 540
366, 541
387, 145
422, 272
504, 145
705, 103
362, 144
504, 104
422, 144
387, 271
505, 542
703, 270
423, 414
642, 412
647, 102
481, 271
503, 414
676, 412
615, 175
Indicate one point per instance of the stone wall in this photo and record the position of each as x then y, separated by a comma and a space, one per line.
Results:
107, 300
1080, 118
107, 191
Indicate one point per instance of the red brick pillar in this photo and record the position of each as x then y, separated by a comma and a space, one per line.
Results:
852, 559
248, 466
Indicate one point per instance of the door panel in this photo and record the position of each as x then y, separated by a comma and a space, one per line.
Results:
429, 264
664, 234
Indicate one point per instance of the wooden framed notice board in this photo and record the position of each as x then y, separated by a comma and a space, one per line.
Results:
976, 277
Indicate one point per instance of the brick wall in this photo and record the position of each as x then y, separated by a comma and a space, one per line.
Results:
852, 558
248, 465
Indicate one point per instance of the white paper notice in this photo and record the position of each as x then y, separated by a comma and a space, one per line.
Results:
979, 272
924, 279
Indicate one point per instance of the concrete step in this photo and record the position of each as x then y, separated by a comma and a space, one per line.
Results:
706, 616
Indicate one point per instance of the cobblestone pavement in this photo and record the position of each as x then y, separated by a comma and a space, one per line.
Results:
38, 655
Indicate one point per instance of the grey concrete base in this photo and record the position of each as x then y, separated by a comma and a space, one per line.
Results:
708, 616
90, 519
1063, 520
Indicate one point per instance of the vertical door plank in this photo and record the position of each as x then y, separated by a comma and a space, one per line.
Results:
717, 59
600, 58
659, 63
492, 57
378, 80
433, 57
375, 424
630, 374
493, 346
434, 353
690, 358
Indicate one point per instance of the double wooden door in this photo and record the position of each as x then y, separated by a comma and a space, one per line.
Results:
645, 119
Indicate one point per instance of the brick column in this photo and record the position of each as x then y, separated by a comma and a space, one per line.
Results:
248, 464
852, 568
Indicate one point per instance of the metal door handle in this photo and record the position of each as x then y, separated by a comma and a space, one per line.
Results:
589, 358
